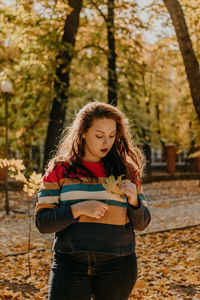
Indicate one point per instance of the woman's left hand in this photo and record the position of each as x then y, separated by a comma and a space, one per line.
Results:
129, 188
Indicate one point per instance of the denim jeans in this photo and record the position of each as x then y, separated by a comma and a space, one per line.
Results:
86, 275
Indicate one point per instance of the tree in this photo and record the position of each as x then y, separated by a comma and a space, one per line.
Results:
61, 84
112, 74
190, 61
152, 89
111, 53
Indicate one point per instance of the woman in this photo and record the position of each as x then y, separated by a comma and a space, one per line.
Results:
94, 245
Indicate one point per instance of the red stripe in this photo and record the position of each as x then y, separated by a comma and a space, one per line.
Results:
57, 174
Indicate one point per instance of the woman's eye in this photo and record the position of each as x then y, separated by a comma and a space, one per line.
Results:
100, 137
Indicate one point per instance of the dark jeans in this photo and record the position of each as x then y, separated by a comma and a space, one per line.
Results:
80, 276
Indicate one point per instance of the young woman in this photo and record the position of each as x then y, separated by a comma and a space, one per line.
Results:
94, 245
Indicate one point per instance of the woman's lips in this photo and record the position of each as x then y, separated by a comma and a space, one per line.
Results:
104, 150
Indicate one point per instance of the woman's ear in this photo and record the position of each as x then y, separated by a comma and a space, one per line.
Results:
83, 135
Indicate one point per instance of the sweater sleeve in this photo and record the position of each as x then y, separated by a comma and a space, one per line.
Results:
54, 220
49, 217
139, 216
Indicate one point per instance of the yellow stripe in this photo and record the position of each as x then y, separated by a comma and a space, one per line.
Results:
114, 216
66, 181
40, 206
49, 186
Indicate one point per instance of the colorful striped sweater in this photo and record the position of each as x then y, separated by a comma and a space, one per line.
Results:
113, 233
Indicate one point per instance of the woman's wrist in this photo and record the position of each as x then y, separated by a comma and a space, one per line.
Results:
133, 200
76, 210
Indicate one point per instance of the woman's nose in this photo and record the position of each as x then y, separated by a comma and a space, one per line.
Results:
106, 141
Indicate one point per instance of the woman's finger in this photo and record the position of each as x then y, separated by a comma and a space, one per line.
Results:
130, 184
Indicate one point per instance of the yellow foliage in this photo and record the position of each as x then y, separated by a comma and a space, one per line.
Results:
12, 164
36, 178
31, 184
19, 177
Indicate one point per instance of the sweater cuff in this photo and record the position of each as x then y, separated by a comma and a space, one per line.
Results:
136, 207
140, 197
68, 215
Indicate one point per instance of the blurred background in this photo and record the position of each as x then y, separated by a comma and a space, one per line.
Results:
58, 55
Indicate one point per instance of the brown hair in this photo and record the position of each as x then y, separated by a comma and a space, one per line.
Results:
123, 158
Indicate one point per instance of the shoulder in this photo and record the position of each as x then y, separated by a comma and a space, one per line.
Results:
56, 174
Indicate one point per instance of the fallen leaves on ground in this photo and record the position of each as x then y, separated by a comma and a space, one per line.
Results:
169, 265
168, 262
168, 268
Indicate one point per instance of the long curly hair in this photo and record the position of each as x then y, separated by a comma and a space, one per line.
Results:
125, 157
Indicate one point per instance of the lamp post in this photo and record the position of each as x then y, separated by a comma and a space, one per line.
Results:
6, 88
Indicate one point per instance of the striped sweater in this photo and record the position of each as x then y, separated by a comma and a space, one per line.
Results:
113, 233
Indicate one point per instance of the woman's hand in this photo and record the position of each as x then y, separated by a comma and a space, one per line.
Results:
129, 188
92, 208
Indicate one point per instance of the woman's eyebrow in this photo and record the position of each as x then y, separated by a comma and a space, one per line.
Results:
104, 132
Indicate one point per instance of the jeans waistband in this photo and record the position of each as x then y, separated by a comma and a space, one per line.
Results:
88, 257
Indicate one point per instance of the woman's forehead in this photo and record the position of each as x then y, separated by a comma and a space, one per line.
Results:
104, 125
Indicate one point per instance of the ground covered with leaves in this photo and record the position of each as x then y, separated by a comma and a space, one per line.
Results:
168, 261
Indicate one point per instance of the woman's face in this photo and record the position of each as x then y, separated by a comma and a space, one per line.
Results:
99, 139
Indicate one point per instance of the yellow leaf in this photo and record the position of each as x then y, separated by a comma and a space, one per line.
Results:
111, 184
193, 279
36, 178
140, 284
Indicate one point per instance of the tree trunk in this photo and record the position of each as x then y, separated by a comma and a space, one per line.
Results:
185, 44
147, 152
159, 129
61, 83
112, 74
146, 135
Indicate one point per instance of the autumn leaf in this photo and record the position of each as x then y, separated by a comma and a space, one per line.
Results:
12, 164
140, 284
19, 177
111, 184
36, 178
193, 279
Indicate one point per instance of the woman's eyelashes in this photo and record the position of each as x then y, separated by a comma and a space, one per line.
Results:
100, 137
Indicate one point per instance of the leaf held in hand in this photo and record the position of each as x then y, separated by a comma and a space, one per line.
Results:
111, 185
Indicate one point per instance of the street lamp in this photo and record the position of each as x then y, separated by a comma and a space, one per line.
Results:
7, 89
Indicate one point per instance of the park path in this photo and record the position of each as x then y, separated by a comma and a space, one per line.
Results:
173, 214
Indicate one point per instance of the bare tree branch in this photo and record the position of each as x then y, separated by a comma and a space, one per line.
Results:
99, 10
93, 46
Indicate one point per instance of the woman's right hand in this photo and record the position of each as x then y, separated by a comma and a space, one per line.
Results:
91, 208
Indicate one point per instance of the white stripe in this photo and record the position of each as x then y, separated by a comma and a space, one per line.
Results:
49, 199
73, 195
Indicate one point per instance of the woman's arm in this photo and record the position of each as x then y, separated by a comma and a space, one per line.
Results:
54, 220
140, 215
138, 211
49, 216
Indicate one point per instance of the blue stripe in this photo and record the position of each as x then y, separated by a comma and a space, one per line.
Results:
82, 187
48, 193
109, 202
